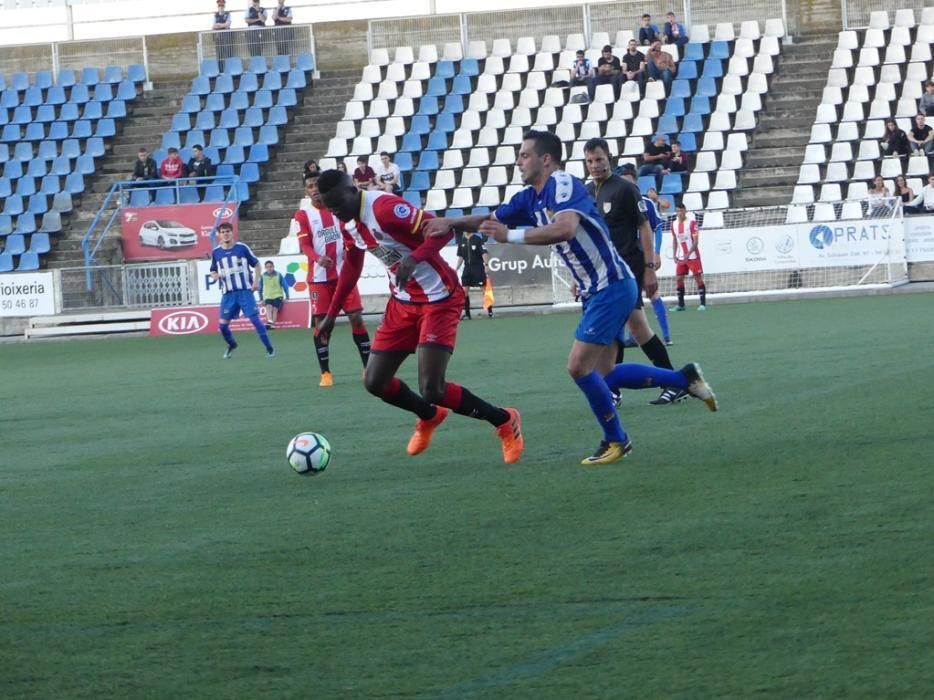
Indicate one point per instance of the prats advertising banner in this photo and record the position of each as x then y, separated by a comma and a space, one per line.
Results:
174, 232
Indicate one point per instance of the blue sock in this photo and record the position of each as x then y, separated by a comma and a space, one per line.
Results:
601, 403
261, 330
228, 336
634, 376
661, 313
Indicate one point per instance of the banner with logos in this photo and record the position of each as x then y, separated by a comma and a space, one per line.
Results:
174, 232
919, 238
190, 320
27, 294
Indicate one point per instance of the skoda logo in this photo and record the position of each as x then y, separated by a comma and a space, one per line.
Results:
755, 246
785, 244
224, 213
183, 322
821, 237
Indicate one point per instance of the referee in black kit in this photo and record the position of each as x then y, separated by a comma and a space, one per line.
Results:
620, 202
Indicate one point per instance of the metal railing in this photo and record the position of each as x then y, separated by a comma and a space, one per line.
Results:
416, 31
119, 195
856, 12
138, 285
270, 41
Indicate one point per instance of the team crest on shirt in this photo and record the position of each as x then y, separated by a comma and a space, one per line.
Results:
402, 211
607, 206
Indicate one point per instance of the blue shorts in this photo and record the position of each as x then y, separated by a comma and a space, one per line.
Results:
232, 303
605, 313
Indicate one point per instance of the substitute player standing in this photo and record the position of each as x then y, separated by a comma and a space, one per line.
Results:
560, 213
236, 269
321, 237
687, 256
422, 314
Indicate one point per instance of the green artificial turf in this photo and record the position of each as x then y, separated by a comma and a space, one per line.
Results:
155, 544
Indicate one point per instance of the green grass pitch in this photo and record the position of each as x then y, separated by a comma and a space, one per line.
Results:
155, 544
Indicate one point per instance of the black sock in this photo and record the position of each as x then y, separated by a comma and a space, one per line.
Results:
362, 341
680, 296
399, 395
620, 352
324, 355
702, 289
461, 401
467, 303
657, 353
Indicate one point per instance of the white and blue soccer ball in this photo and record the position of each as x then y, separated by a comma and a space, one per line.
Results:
309, 453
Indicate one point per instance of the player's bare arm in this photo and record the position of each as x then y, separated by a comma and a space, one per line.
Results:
442, 226
257, 271
647, 238
346, 281
561, 229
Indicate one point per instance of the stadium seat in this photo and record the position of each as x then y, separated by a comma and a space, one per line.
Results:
15, 244
52, 220
25, 224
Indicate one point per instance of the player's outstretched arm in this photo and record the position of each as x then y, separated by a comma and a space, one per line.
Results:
442, 226
561, 229
346, 281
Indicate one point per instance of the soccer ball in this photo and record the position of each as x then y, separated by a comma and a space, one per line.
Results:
308, 453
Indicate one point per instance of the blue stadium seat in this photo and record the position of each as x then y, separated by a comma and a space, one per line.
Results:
26, 222
113, 75
90, 76
248, 83
6, 262
92, 110
81, 129
230, 119
667, 124
674, 107
126, 91
210, 68
411, 142
272, 81
253, 117
281, 64
707, 87
193, 137
61, 166
43, 79
9, 99
688, 142
680, 88
693, 52
68, 112
205, 121
15, 244
2, 82
700, 104
51, 185
461, 86
84, 165
305, 62
28, 261
672, 184
693, 123
94, 146
6, 225
171, 139
444, 69
186, 154
287, 98
45, 114
21, 115
215, 102
13, 169
437, 87
71, 148
224, 84
39, 243
296, 80
233, 66
192, 104
62, 201
259, 153
37, 168
277, 117
453, 104
257, 65
428, 160
33, 97
55, 95
66, 78
420, 181
188, 195
420, 125
239, 101
74, 183
242, 192
22, 152
428, 105
200, 85
214, 193
454, 213
470, 67
445, 122
139, 198
20, 82
180, 122
249, 172
404, 161
48, 150
116, 109
687, 70
136, 73
413, 197
477, 211
243, 136
79, 94
165, 196
263, 99
220, 138
213, 153
269, 135
52, 220
34, 132
713, 68
4, 152
234, 155
720, 50
645, 182
25, 186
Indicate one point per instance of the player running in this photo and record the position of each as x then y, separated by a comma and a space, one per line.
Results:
687, 256
321, 237
421, 316
237, 270
560, 213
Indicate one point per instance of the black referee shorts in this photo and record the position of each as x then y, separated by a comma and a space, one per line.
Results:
637, 265
473, 277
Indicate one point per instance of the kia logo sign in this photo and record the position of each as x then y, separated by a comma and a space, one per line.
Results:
183, 323
224, 213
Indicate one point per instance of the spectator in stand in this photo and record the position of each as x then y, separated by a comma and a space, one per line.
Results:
582, 73
609, 70
173, 167
902, 190
879, 198
255, 19
680, 161
223, 40
199, 165
926, 103
364, 177
921, 136
341, 168
648, 32
311, 166
924, 202
662, 204
285, 35
656, 157
388, 174
660, 65
674, 30
633, 64
145, 168
894, 140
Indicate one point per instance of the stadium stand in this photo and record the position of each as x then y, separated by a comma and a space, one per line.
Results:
877, 73
54, 132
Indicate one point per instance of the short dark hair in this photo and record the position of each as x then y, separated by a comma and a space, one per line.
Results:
313, 175
225, 225
608, 48
680, 205
173, 150
331, 179
385, 153
197, 147
646, 16
361, 159
595, 143
270, 262
580, 52
675, 143
546, 143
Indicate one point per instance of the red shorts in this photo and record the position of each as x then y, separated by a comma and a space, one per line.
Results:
406, 326
321, 293
682, 267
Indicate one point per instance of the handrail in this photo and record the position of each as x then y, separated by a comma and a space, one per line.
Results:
92, 239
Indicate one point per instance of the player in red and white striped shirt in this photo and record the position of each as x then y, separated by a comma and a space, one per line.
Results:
687, 256
321, 237
422, 314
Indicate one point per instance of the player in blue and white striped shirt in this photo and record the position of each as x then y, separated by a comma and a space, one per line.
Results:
237, 270
561, 213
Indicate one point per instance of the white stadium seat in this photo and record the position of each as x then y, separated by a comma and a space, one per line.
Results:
837, 172
737, 142
796, 215
868, 57
842, 58
803, 194
750, 30
864, 170
453, 51
830, 192
693, 201
404, 107
525, 45
413, 89
900, 36
726, 180
858, 93
444, 180
824, 211
502, 48
706, 162
848, 39
851, 210
808, 174
599, 39
713, 141
379, 57
744, 48
892, 167
857, 190
354, 110
905, 18
453, 159
471, 177
769, 45
927, 16
363, 92
404, 55
820, 133
428, 53
479, 158
815, 154
738, 65
879, 19
622, 39
436, 200
379, 109
699, 34
718, 200
477, 50
848, 131
371, 74
698, 182
874, 39
724, 32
